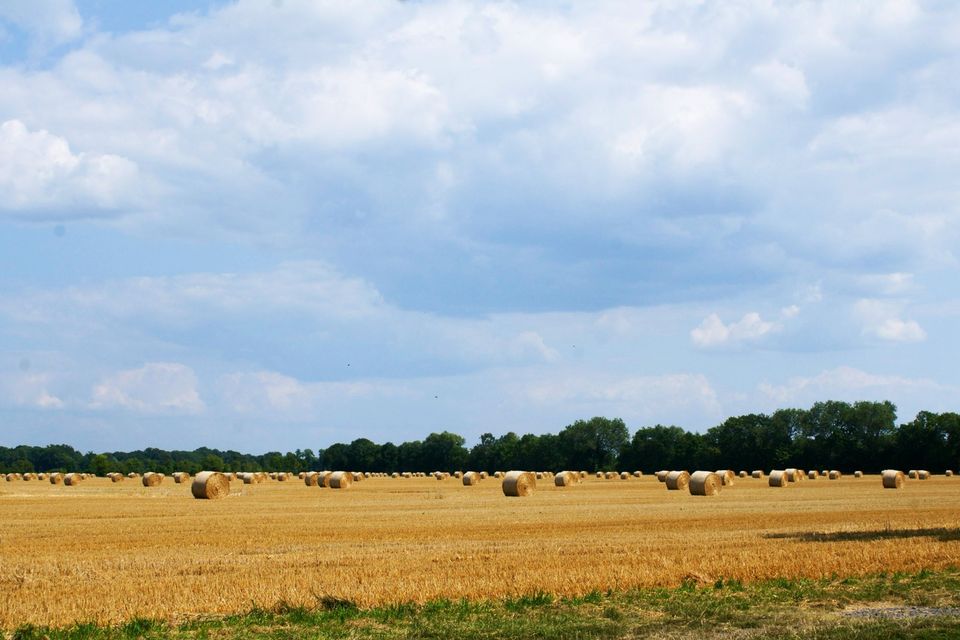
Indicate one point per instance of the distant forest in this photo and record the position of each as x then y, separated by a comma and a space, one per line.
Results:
835, 435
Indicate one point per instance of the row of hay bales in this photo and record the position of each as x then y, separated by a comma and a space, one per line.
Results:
54, 477
332, 479
698, 483
783, 477
514, 483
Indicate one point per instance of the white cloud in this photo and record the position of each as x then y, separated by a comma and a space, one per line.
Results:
791, 311
888, 284
881, 319
29, 389
712, 332
898, 330
260, 392
638, 397
785, 81
53, 21
156, 387
38, 172
848, 383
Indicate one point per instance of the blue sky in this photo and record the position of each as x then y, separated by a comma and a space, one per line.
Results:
278, 224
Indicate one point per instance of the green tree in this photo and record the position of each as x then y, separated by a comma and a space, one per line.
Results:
101, 465
212, 462
443, 452
363, 454
593, 444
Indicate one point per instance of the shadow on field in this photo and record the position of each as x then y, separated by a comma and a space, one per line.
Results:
942, 534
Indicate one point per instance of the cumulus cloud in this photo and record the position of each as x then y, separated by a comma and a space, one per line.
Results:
268, 391
29, 389
156, 387
849, 383
39, 173
51, 21
712, 332
647, 398
619, 114
881, 320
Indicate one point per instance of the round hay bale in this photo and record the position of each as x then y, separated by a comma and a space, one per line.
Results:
812, 474
56, 478
9, 477
624, 475
302, 475
778, 478
583, 475
638, 474
610, 475
678, 480
519, 484
181, 477
210, 485
341, 480
948, 473
151, 479
727, 476
662, 476
743, 474
705, 483
133, 475
72, 479
757, 474
834, 474
539, 475
249, 478
310, 479
484, 475
912, 474
116, 477
791, 475
599, 475
282, 477
458, 474
858, 474
923, 474
566, 478
470, 478
395, 474
825, 473
892, 479
358, 477
323, 479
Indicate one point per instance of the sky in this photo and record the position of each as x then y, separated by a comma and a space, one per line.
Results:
278, 224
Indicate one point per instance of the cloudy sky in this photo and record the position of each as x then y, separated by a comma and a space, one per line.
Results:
277, 224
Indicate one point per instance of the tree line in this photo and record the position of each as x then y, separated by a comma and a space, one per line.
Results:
831, 434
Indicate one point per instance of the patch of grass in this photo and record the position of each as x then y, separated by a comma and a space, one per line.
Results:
538, 599
778, 609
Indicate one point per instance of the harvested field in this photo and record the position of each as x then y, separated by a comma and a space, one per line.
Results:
420, 539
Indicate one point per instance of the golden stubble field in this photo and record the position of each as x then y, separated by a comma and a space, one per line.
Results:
108, 552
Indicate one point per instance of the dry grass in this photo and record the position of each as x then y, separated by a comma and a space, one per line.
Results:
419, 539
